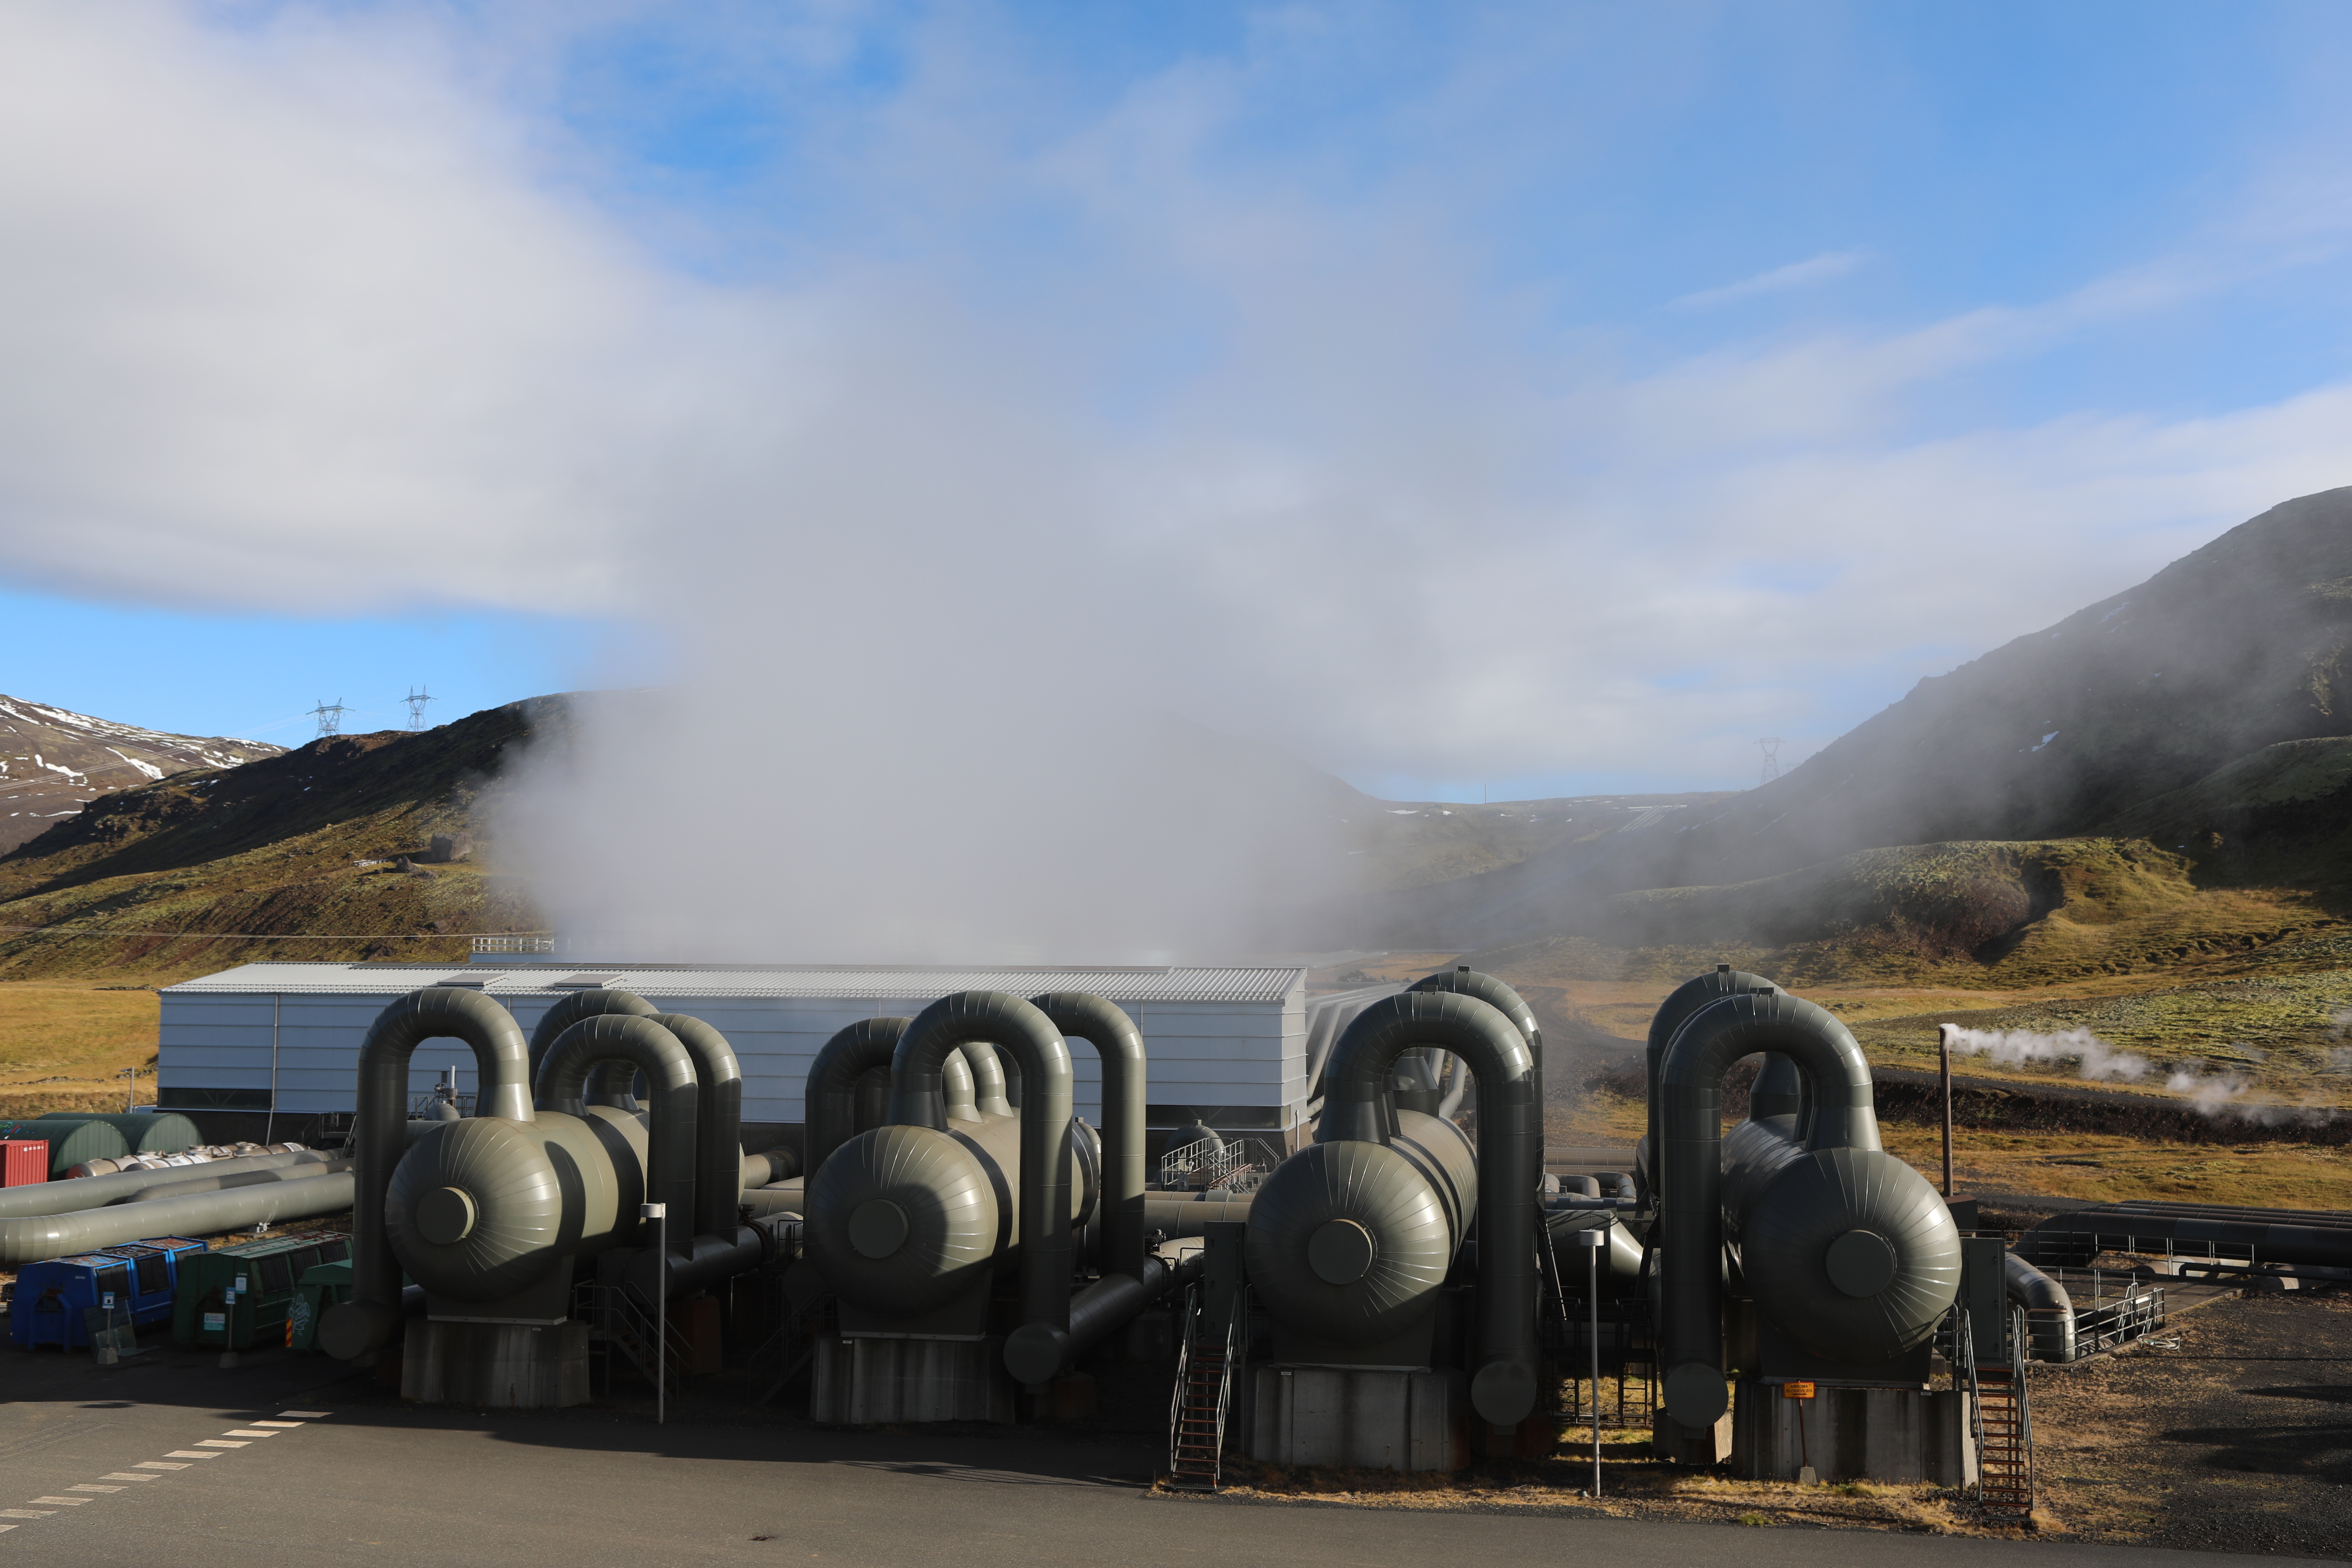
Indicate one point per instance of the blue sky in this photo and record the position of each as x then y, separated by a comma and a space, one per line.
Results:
1554, 396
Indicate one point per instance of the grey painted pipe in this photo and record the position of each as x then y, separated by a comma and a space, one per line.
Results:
1672, 1013
1100, 1310
719, 1108
2049, 1311
1688, 1176
671, 1157
1464, 980
36, 1237
235, 1179
1036, 1048
829, 1094
1511, 1159
370, 1319
575, 1007
956, 1083
76, 1193
774, 1165
1107, 1027
1183, 1213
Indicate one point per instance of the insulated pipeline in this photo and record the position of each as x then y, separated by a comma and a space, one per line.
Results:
671, 1163
502, 1060
35, 1237
1037, 1048
77, 1192
233, 1180
1464, 981
829, 1094
719, 1120
1113, 1035
1356, 1108
582, 1004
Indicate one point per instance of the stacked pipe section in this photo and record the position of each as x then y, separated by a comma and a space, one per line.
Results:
1350, 1238
1845, 1249
491, 1213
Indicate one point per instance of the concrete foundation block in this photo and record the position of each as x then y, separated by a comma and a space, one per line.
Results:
1361, 1419
505, 1366
1698, 1447
865, 1382
1854, 1435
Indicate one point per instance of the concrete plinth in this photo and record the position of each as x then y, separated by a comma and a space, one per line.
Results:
1698, 1447
1854, 1435
866, 1382
505, 1366
1363, 1418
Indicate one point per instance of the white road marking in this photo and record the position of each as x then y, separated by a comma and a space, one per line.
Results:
248, 1432
220, 1443
129, 1476
308, 1414
92, 1487
277, 1424
166, 1464
75, 1501
191, 1454
26, 1513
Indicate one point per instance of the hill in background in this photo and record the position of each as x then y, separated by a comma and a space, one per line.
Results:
55, 762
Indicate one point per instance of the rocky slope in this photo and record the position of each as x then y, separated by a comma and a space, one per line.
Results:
2202, 707
55, 762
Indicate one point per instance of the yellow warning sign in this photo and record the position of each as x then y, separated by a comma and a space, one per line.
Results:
1796, 1391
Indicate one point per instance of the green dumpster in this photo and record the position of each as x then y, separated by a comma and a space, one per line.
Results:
240, 1297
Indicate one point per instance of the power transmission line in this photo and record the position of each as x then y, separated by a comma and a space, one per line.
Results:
416, 700
1770, 747
329, 717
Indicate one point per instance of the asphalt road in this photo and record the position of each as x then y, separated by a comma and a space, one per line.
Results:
111, 1466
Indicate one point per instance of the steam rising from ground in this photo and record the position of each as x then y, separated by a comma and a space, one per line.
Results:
2015, 1046
2222, 1094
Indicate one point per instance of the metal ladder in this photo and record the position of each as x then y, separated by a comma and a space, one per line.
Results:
2002, 1424
1202, 1396
617, 1320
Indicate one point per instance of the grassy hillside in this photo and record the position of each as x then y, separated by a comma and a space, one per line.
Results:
294, 856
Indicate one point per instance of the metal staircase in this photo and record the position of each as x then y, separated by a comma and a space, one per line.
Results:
1204, 1395
2000, 1422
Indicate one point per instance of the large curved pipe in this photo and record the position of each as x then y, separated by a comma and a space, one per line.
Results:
719, 1120
1687, 1174
1464, 981
829, 1093
34, 1238
502, 1062
1036, 1048
2049, 1311
1107, 1027
987, 1080
1510, 1142
671, 1159
1682, 1002
575, 1007
74, 1193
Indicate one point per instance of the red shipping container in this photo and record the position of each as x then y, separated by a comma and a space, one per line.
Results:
24, 1161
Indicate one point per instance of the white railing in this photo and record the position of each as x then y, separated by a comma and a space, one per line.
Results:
514, 944
1240, 1166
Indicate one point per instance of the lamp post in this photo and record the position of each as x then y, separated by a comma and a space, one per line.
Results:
1592, 1241
659, 1215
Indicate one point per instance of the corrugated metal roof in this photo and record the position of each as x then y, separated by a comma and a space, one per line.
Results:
1223, 984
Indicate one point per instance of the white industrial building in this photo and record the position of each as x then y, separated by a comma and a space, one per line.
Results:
1238, 1047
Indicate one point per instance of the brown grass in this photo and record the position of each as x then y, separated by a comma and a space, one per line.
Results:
62, 1042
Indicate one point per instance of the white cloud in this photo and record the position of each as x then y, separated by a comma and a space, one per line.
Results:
1823, 268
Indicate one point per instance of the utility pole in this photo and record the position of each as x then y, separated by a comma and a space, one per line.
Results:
1944, 1049
329, 717
1770, 747
416, 700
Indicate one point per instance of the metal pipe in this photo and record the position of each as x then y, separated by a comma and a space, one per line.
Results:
1356, 1108
34, 1238
502, 1060
719, 1112
829, 1093
1104, 1026
1100, 1310
1183, 1213
1464, 980
671, 1159
1722, 1021
235, 1179
988, 1088
2049, 1311
75, 1192
1036, 1048
2319, 1240
1685, 1000
573, 1008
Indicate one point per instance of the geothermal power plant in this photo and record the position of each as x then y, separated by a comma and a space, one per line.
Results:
944, 1195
